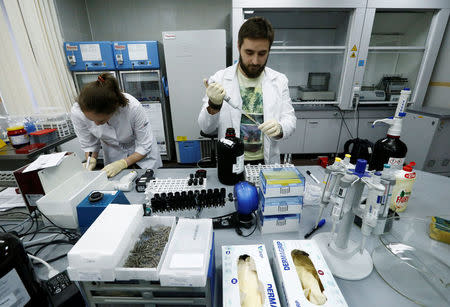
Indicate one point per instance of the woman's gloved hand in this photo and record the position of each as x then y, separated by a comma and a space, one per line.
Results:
271, 128
215, 92
92, 164
114, 168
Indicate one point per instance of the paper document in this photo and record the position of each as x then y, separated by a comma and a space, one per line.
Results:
10, 199
46, 161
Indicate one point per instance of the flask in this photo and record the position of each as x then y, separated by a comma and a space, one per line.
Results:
230, 158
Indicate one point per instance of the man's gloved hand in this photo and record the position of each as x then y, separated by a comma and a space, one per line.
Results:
92, 164
114, 168
215, 92
271, 128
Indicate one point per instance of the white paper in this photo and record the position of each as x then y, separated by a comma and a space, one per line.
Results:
46, 161
10, 199
90, 52
137, 52
186, 261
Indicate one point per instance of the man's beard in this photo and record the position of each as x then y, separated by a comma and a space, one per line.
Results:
253, 73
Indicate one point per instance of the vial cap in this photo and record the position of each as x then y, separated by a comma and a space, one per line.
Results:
338, 159
386, 165
348, 155
360, 166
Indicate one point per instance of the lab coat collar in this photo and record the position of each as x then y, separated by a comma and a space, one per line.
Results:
231, 73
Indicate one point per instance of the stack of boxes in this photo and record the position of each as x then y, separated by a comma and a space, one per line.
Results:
280, 199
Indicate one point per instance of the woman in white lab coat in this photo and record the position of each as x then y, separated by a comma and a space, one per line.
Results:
106, 118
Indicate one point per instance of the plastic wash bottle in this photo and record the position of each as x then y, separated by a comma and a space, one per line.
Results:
402, 190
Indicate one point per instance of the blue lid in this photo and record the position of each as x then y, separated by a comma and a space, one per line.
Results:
377, 174
386, 165
360, 166
407, 89
401, 114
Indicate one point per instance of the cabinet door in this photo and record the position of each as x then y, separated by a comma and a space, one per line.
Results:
321, 135
294, 144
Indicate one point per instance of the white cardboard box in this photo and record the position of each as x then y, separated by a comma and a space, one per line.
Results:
278, 223
291, 291
187, 258
230, 257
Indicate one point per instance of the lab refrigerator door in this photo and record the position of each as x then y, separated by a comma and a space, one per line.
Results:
190, 57
81, 78
146, 87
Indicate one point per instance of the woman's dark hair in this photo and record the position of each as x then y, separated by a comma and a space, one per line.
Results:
102, 96
254, 28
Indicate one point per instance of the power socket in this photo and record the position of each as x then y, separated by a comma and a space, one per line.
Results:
63, 292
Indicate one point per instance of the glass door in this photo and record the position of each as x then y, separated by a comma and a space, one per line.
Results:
309, 48
398, 41
83, 78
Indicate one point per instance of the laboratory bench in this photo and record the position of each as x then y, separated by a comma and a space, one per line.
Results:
429, 198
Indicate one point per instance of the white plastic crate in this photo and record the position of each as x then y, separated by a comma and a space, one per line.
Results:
63, 127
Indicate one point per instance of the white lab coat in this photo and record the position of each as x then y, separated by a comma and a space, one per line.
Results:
127, 131
276, 105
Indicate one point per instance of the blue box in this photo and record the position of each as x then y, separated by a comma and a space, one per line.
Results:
189, 151
136, 55
281, 182
89, 56
88, 211
280, 205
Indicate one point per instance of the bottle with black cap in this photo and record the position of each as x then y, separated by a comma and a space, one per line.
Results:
230, 158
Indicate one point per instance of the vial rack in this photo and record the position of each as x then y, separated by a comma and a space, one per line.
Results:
252, 171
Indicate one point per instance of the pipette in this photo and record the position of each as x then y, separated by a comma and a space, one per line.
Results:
235, 106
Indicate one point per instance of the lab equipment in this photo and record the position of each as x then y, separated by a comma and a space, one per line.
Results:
412, 263
247, 277
142, 75
313, 177
303, 275
280, 205
440, 233
392, 85
187, 260
94, 204
20, 285
125, 183
280, 182
43, 136
391, 149
189, 200
371, 94
172, 185
278, 223
89, 59
252, 171
316, 88
101, 252
230, 158
184, 78
66, 189
348, 259
143, 180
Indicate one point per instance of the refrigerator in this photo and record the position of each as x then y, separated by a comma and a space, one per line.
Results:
87, 60
141, 75
190, 57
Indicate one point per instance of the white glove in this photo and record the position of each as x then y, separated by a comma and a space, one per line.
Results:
271, 128
215, 92
92, 164
114, 168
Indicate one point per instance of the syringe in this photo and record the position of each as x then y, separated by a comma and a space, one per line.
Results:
234, 106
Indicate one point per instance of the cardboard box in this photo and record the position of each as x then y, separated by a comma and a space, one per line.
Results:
231, 290
291, 290
278, 223
280, 182
280, 205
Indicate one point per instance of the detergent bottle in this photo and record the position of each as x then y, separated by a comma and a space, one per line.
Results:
401, 192
391, 149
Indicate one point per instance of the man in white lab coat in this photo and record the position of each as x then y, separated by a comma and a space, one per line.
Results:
115, 121
260, 91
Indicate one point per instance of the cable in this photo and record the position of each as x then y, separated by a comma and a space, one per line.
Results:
239, 231
51, 271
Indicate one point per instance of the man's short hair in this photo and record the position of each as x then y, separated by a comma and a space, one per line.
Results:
255, 28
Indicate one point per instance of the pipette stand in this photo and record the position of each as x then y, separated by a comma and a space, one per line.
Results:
340, 252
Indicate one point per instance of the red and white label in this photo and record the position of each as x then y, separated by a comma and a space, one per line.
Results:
410, 175
119, 47
71, 48
396, 162
170, 36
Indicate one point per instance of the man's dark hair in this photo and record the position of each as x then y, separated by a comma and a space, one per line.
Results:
102, 96
255, 28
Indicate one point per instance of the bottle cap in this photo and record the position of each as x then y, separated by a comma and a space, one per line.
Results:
360, 166
348, 155
409, 167
386, 165
230, 132
337, 159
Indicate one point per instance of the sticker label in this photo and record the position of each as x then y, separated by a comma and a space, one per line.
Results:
354, 48
71, 48
19, 139
181, 138
169, 36
226, 141
239, 166
353, 55
396, 163
119, 47
12, 290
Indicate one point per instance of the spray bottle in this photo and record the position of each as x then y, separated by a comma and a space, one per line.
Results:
391, 149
